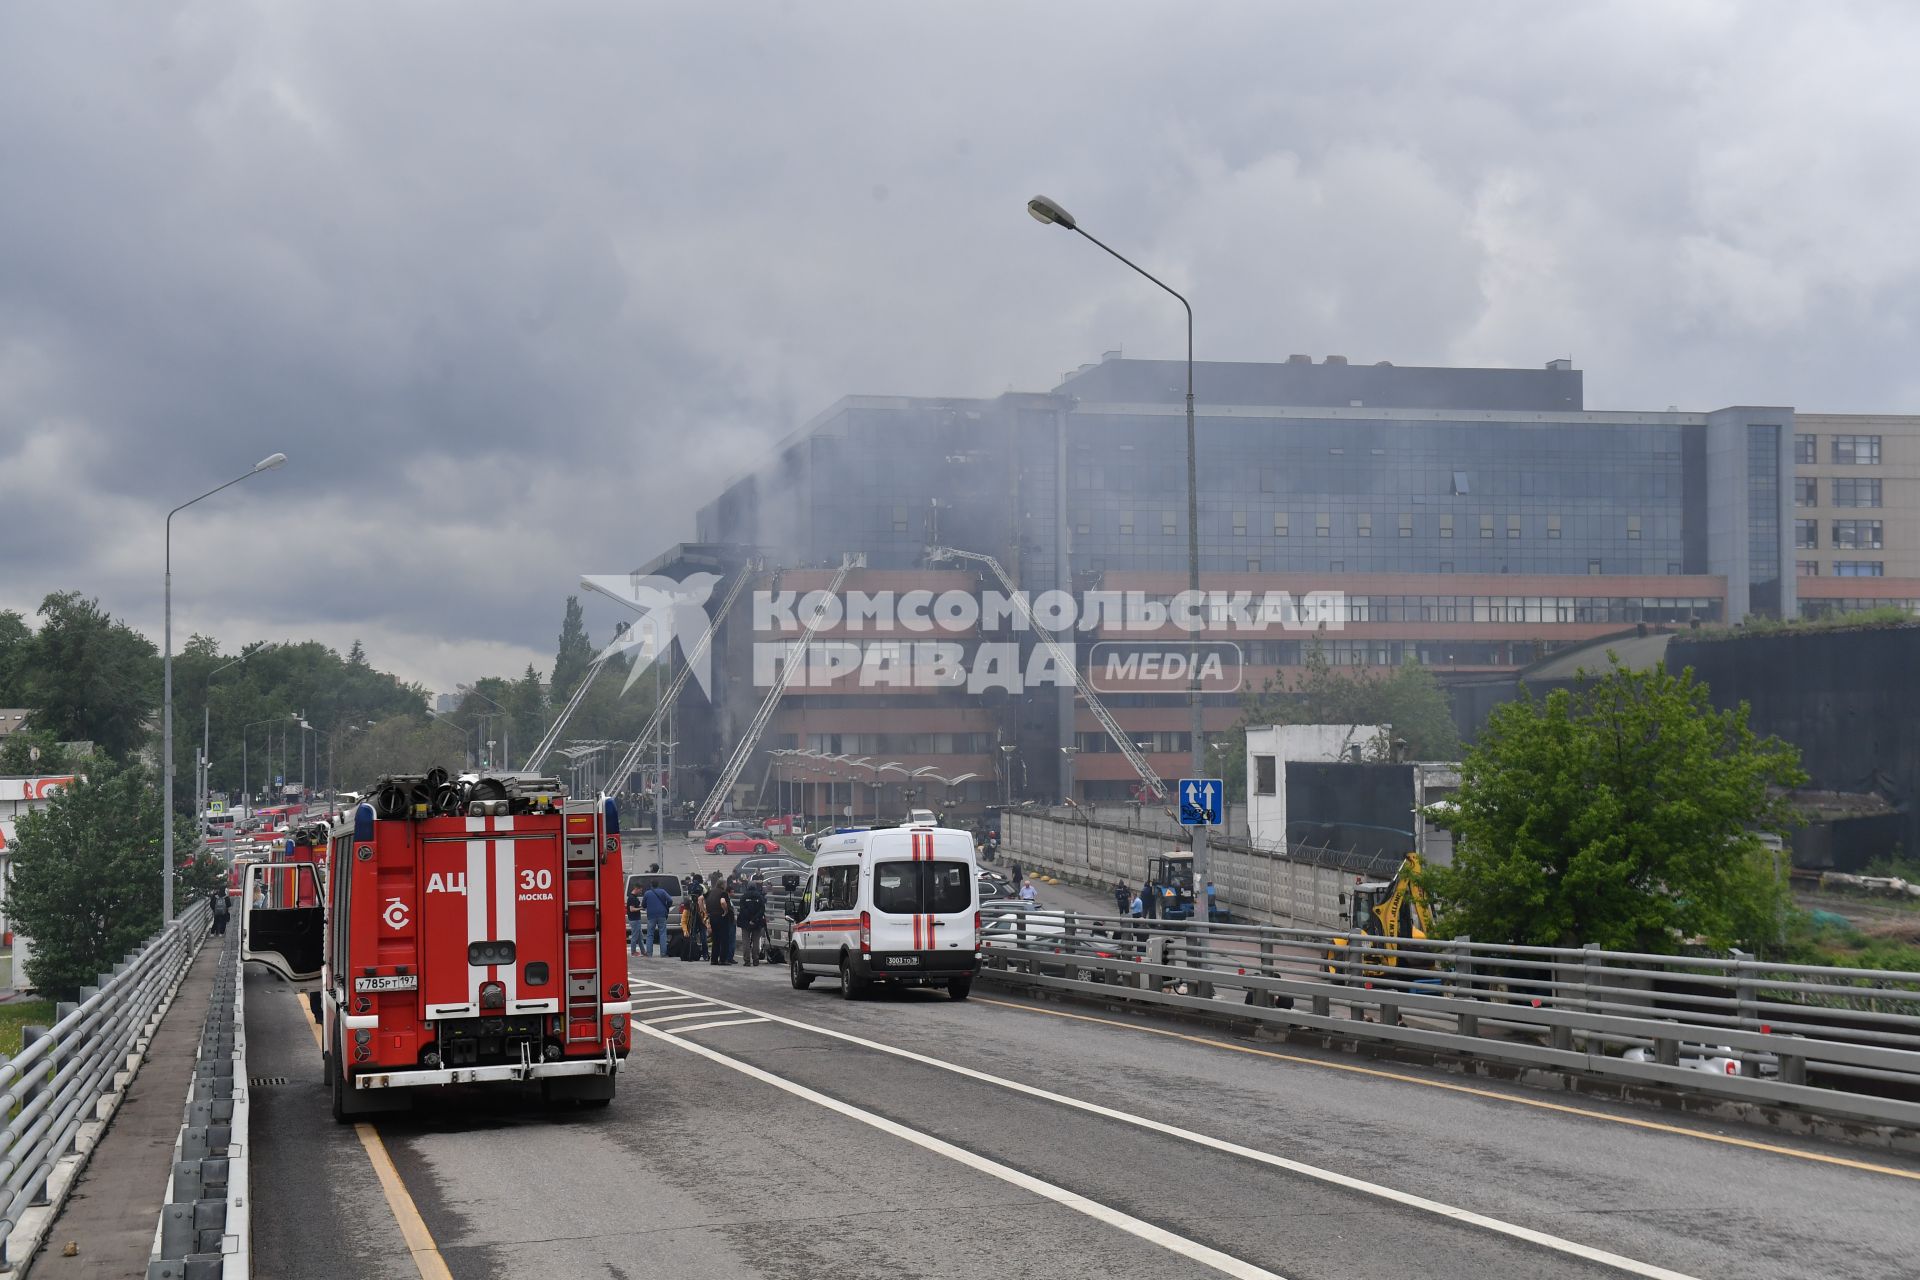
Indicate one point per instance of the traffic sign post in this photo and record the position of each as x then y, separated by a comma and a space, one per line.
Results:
1202, 802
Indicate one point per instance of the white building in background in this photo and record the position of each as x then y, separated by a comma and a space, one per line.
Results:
1270, 748
1385, 805
20, 796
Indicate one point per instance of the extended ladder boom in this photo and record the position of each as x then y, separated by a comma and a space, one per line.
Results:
552, 737
631, 761
751, 738
1064, 657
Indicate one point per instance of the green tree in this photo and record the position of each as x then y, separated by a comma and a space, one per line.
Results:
1623, 813
88, 676
575, 653
1409, 700
17, 754
86, 883
16, 645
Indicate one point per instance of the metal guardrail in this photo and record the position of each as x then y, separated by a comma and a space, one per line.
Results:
57, 1081
1842, 1042
205, 1228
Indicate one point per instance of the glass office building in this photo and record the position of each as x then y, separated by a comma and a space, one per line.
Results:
1383, 482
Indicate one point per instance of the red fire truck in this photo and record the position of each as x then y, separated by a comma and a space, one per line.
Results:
473, 933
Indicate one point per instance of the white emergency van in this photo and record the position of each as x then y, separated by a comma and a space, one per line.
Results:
895, 905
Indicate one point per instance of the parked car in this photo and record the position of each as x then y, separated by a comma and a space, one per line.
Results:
643, 881
1045, 932
996, 889
721, 826
768, 868
741, 842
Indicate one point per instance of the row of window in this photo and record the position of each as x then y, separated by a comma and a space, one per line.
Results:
1594, 568
901, 744
1845, 493
1530, 608
1852, 604
1848, 535
1843, 450
1842, 568
1171, 522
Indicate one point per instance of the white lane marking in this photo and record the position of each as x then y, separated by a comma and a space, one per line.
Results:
702, 1026
1571, 1247
682, 1017
1224, 1263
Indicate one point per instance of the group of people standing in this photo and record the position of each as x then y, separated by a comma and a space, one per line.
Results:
711, 922
1142, 903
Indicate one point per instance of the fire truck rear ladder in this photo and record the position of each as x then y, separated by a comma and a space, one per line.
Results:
580, 873
795, 660
637, 752
1064, 658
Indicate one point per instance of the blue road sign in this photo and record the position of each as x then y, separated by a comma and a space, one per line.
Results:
1202, 802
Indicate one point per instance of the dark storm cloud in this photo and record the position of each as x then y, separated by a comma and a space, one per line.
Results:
518, 286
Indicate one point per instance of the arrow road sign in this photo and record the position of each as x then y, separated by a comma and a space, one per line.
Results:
1202, 801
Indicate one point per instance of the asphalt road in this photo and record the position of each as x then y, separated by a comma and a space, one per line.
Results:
762, 1131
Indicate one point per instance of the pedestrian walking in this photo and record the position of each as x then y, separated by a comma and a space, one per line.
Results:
636, 919
1121, 897
1151, 900
753, 920
1013, 873
656, 902
222, 908
1027, 893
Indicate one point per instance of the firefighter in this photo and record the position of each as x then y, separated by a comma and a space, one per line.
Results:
695, 924
753, 919
720, 921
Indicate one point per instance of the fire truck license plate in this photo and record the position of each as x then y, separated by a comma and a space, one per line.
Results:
392, 982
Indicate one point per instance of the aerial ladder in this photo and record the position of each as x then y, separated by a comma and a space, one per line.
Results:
637, 752
554, 731
1063, 657
794, 661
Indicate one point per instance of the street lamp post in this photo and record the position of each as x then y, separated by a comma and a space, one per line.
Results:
466, 748
268, 463
1006, 755
1045, 210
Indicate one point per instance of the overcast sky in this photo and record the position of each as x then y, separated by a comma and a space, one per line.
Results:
517, 286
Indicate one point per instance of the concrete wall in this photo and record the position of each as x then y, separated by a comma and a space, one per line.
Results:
1253, 884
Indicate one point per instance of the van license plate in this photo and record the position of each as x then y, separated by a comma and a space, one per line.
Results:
392, 982
903, 960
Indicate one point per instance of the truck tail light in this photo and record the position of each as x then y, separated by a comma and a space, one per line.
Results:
866, 932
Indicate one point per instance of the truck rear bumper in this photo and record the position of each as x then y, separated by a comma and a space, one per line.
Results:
413, 1078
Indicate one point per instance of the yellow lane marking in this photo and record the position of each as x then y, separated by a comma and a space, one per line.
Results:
406, 1215
1631, 1122
413, 1228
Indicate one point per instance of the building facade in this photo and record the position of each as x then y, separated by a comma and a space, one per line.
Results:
1856, 512
1472, 520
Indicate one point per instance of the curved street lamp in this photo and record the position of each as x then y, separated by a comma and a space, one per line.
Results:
1049, 211
271, 462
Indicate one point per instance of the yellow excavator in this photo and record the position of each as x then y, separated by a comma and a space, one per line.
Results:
1388, 910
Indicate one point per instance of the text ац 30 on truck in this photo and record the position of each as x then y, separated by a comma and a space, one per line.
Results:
472, 932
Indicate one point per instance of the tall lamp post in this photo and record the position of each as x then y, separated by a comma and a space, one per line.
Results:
268, 463
204, 788
1045, 210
